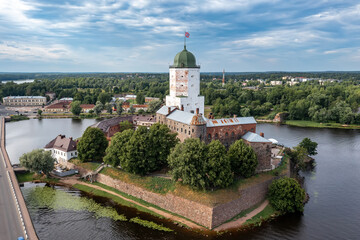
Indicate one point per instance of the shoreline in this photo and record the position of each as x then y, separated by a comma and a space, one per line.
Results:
237, 224
311, 124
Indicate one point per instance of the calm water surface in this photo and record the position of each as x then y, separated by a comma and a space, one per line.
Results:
20, 81
24, 136
333, 211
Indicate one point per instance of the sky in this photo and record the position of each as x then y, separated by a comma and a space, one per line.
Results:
144, 35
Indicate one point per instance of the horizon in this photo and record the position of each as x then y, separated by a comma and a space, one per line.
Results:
144, 36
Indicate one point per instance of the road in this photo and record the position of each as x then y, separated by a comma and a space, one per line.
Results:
10, 225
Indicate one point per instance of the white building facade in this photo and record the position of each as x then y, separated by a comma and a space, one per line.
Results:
184, 77
62, 149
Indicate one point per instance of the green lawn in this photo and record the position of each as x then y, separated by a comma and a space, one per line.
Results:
303, 123
87, 165
29, 177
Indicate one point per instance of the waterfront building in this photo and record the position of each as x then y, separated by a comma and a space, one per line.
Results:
184, 113
24, 101
62, 148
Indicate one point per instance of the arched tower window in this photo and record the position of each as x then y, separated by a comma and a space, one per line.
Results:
209, 137
216, 136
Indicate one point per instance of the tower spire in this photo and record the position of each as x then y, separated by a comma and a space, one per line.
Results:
223, 80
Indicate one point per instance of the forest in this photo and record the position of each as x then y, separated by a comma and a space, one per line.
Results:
337, 101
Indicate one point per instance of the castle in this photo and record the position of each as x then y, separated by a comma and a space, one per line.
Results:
184, 113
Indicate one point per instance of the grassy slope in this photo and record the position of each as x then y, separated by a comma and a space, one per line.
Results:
29, 177
209, 198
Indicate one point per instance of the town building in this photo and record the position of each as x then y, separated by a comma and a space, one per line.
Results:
85, 108
111, 126
184, 113
24, 101
61, 106
62, 148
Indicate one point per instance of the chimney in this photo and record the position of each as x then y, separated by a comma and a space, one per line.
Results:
197, 110
262, 134
169, 110
182, 107
235, 116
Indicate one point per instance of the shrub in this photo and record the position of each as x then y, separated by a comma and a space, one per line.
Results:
286, 195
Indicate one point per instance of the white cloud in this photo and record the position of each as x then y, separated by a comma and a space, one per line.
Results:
32, 52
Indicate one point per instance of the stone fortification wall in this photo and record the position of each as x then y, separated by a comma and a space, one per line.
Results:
263, 153
249, 197
199, 213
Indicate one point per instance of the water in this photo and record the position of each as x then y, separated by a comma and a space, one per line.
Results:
20, 81
24, 136
332, 212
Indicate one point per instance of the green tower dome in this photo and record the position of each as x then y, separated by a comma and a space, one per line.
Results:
185, 59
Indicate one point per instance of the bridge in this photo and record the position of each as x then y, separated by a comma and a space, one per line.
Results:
15, 220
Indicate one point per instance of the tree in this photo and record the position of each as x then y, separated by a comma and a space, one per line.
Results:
125, 125
139, 158
218, 167
39, 112
187, 163
163, 141
140, 99
108, 107
116, 152
92, 145
154, 105
75, 108
119, 108
243, 159
104, 97
132, 109
98, 107
38, 160
309, 145
286, 195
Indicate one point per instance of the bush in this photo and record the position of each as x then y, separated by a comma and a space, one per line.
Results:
286, 195
92, 145
38, 160
242, 158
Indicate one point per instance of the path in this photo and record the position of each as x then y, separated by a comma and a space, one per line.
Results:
73, 181
239, 222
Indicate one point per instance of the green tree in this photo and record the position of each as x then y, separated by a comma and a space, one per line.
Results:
132, 109
39, 112
163, 141
309, 145
116, 152
140, 99
243, 159
108, 107
38, 160
98, 107
125, 125
92, 145
104, 97
187, 162
119, 108
139, 158
75, 108
218, 167
286, 195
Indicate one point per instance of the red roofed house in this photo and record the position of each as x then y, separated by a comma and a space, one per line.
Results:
62, 148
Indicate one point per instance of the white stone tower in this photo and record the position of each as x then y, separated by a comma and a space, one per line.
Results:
184, 77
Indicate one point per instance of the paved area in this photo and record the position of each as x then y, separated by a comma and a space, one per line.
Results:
239, 222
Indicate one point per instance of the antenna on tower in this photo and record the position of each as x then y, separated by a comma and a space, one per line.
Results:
223, 80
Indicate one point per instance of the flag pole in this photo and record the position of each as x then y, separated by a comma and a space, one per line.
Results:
185, 39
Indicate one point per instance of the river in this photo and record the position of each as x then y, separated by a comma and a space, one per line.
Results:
331, 213
19, 81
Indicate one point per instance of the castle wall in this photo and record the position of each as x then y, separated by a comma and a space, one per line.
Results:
263, 153
197, 212
228, 134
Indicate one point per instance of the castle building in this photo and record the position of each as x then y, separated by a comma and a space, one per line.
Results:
184, 113
185, 83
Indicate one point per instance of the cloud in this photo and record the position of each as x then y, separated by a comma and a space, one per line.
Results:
30, 52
